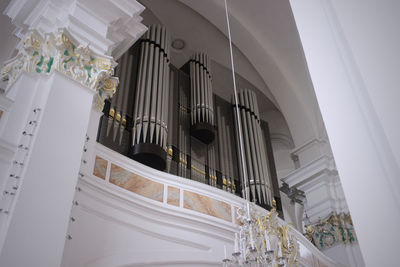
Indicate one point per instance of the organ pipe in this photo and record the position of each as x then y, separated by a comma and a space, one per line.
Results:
225, 151
183, 133
254, 148
149, 133
119, 103
202, 105
149, 114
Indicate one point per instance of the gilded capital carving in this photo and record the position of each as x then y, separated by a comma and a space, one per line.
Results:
337, 228
58, 52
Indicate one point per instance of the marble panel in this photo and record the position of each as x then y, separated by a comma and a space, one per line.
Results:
1, 113
100, 167
207, 205
136, 184
173, 196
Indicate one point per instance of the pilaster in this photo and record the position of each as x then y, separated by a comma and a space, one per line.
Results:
63, 68
320, 182
349, 62
326, 216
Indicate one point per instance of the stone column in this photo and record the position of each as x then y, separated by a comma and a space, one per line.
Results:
64, 67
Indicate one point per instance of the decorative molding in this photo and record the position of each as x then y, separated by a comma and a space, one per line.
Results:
59, 52
321, 165
134, 217
337, 228
315, 141
320, 183
110, 27
294, 194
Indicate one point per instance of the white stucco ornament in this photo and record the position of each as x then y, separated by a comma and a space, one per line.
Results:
58, 52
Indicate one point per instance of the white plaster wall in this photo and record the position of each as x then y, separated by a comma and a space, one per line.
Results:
347, 254
355, 79
374, 40
111, 230
40, 218
16, 106
293, 212
282, 142
283, 162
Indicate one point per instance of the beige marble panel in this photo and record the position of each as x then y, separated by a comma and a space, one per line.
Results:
173, 196
136, 184
100, 167
207, 205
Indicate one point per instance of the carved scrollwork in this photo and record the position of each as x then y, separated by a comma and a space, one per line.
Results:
337, 228
59, 52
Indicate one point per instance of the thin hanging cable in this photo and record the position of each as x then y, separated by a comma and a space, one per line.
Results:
239, 123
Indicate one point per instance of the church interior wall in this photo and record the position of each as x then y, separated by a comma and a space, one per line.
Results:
283, 86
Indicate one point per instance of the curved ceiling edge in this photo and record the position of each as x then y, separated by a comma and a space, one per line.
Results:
287, 100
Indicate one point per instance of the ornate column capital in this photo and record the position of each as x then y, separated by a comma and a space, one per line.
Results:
78, 38
59, 52
334, 229
110, 27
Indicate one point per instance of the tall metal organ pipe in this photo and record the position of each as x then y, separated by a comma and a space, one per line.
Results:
254, 149
225, 152
202, 104
149, 133
118, 112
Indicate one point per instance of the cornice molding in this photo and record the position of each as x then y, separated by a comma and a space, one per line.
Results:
302, 175
318, 142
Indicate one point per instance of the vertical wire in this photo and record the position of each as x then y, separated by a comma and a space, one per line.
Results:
239, 123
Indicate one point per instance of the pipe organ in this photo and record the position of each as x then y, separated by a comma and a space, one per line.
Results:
254, 148
170, 119
183, 133
225, 150
149, 133
118, 110
202, 107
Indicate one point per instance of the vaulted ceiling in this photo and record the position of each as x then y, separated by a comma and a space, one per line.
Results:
267, 51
